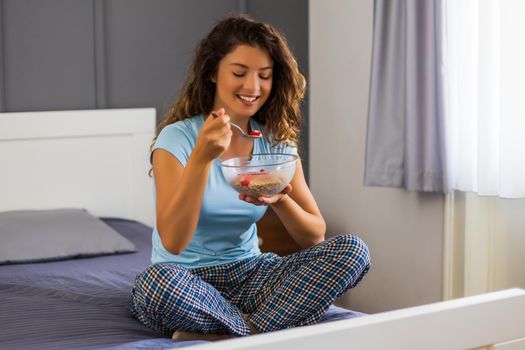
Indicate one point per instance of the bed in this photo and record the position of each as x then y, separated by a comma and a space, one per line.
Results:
94, 163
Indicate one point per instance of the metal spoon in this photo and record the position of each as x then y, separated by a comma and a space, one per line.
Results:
254, 134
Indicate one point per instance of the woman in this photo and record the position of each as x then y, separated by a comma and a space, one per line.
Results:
208, 279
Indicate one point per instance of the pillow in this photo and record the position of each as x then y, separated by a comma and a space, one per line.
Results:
43, 235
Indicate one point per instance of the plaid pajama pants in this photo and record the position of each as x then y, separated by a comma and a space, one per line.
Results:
274, 292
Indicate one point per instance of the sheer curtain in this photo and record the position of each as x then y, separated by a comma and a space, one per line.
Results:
484, 95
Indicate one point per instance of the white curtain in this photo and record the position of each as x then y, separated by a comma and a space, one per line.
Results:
484, 95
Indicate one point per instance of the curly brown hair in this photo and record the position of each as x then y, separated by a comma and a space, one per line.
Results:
280, 114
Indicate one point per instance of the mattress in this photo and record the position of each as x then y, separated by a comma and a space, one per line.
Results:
84, 303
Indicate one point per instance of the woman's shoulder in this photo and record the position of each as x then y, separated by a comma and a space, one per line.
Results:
269, 145
283, 147
187, 125
185, 130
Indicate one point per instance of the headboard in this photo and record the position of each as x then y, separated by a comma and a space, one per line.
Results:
92, 159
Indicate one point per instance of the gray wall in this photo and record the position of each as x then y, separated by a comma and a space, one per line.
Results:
86, 54
404, 230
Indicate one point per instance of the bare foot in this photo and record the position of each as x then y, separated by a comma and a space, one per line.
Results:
180, 335
253, 330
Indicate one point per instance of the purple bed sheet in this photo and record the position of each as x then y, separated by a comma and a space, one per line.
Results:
84, 303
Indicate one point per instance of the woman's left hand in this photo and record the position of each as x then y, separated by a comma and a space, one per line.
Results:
263, 200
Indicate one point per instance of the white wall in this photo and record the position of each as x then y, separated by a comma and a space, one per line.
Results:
404, 230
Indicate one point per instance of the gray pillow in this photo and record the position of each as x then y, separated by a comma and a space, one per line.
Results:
44, 235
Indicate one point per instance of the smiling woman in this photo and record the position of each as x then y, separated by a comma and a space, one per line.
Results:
205, 237
243, 82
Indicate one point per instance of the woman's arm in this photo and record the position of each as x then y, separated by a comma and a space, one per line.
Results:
299, 212
180, 190
297, 209
179, 197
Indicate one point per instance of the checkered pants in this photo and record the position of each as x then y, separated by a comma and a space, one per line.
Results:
274, 292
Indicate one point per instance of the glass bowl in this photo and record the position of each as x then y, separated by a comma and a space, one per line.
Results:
260, 174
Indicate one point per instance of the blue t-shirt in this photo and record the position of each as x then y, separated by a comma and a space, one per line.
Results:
226, 230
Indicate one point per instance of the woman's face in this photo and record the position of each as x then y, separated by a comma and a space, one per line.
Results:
243, 82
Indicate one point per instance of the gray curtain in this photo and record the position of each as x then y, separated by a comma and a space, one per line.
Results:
405, 144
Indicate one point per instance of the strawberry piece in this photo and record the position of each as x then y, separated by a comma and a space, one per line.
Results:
262, 170
245, 181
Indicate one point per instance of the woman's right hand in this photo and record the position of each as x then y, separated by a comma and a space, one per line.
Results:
214, 137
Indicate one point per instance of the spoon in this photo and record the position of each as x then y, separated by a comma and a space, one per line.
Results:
254, 134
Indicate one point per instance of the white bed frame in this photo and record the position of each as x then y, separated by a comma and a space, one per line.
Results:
488, 321
98, 160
